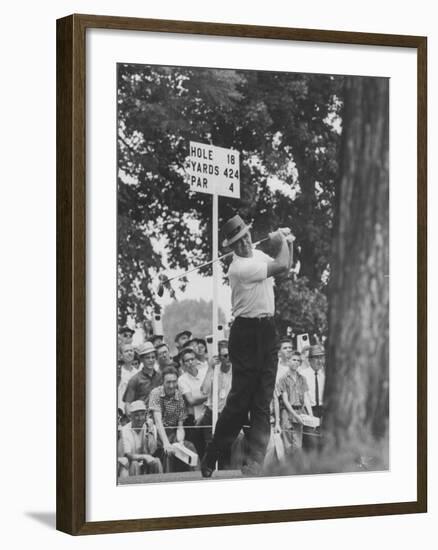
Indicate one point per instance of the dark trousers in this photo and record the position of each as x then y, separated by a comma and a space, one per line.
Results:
170, 462
194, 434
312, 440
253, 353
224, 458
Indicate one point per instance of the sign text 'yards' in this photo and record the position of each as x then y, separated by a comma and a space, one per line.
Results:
213, 169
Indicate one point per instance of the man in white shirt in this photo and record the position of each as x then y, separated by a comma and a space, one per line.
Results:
224, 385
189, 385
138, 442
252, 346
315, 377
199, 346
127, 371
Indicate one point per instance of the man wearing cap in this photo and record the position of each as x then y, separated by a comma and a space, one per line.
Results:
140, 385
137, 444
315, 377
252, 345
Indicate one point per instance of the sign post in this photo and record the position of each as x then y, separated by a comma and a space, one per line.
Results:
215, 171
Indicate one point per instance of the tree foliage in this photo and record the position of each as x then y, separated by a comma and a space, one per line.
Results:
286, 127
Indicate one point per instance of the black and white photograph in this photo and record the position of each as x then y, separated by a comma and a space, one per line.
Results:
253, 273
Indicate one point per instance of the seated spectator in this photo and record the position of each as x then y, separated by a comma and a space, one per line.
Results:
140, 385
295, 401
224, 386
137, 444
127, 371
168, 410
122, 461
189, 385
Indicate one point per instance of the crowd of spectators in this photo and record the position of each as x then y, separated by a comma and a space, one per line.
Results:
165, 403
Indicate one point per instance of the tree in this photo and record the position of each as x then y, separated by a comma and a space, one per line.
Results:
286, 127
358, 359
301, 307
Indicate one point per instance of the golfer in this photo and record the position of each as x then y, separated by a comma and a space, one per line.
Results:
252, 346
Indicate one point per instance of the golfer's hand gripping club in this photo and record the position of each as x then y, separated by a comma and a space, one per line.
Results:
276, 236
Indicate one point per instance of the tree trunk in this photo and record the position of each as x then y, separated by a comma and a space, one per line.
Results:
357, 389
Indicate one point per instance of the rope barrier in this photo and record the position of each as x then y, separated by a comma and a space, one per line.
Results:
246, 426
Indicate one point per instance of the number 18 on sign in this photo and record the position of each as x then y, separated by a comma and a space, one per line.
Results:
212, 169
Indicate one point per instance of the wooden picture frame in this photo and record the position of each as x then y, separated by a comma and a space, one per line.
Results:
71, 273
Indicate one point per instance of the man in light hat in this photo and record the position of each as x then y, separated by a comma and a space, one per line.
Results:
137, 443
140, 385
315, 377
252, 345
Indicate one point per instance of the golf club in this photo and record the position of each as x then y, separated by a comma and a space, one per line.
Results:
164, 281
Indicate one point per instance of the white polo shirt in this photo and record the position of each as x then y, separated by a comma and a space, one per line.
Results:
252, 291
192, 384
135, 441
309, 375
